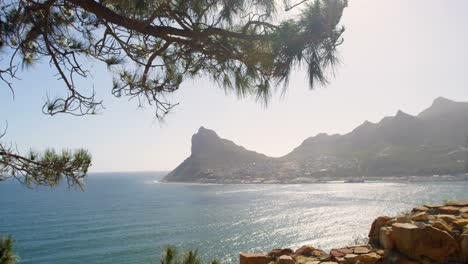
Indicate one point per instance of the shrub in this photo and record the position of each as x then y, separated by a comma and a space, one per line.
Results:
170, 256
7, 256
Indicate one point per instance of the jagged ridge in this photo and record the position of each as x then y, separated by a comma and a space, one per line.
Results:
426, 144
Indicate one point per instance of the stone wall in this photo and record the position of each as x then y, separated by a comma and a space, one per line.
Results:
428, 234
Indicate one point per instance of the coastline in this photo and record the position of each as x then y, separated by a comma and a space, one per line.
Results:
395, 179
429, 234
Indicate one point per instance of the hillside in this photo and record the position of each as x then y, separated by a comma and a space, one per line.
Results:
429, 143
212, 157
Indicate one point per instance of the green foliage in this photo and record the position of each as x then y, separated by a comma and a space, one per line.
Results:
448, 201
48, 168
152, 46
360, 240
171, 256
7, 256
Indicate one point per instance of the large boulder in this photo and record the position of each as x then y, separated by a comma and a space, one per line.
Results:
423, 241
252, 258
375, 228
464, 247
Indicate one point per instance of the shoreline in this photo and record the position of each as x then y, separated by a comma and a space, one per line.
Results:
330, 181
429, 234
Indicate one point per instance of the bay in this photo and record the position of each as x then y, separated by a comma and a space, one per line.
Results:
131, 217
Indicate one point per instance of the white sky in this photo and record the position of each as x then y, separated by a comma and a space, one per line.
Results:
397, 54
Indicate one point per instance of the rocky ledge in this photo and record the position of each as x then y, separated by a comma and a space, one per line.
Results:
428, 234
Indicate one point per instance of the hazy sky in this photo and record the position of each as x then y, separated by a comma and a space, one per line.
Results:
397, 54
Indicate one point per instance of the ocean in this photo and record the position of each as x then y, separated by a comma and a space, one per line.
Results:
131, 218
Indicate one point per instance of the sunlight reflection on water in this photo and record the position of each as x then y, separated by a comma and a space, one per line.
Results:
128, 220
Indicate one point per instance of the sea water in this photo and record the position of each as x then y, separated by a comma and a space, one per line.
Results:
131, 217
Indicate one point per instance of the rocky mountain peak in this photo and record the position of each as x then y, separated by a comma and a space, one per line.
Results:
204, 131
400, 115
403, 144
203, 139
366, 126
442, 106
442, 101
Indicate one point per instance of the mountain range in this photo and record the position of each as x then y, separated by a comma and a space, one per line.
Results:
432, 142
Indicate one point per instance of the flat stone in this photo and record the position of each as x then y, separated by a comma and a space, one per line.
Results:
304, 259
403, 219
463, 210
361, 250
447, 218
350, 257
345, 250
380, 252
313, 262
433, 205
340, 260
369, 258
405, 226
459, 203
449, 210
461, 222
420, 209
252, 258
350, 260
442, 225
336, 253
285, 260
329, 262
464, 215
421, 216
358, 245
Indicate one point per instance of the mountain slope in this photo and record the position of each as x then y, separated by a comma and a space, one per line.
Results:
211, 157
429, 143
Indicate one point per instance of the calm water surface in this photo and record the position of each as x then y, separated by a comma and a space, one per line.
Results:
130, 218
